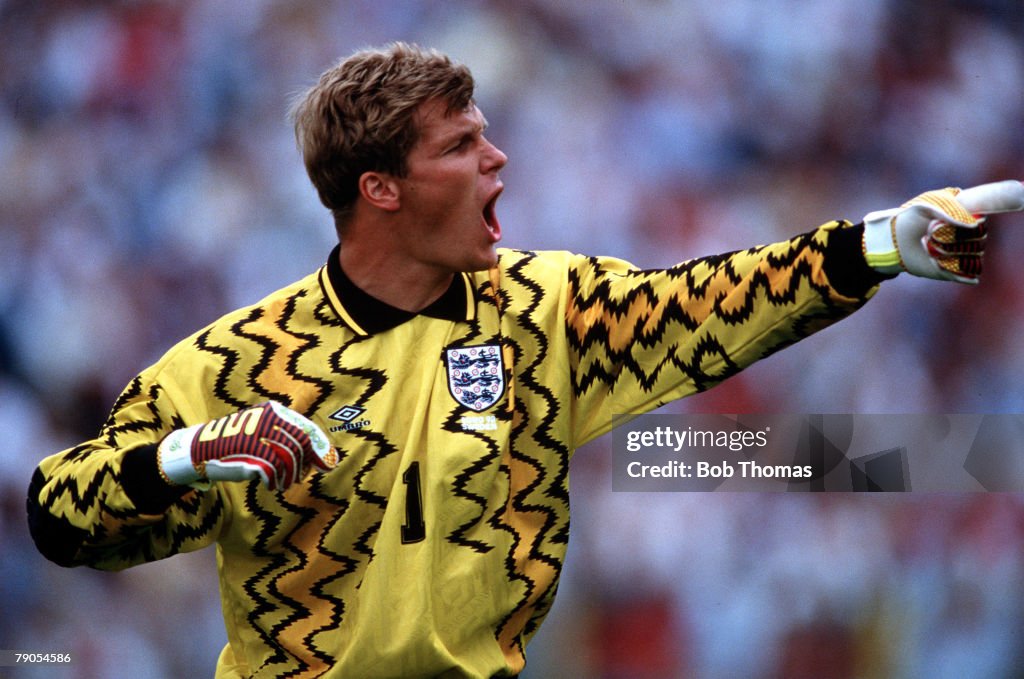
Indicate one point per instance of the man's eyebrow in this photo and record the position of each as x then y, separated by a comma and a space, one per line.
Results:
479, 120
475, 127
478, 124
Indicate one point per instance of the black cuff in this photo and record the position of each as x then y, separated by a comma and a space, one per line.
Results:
847, 270
143, 483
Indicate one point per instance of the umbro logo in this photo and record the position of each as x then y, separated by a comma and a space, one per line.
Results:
347, 413
347, 416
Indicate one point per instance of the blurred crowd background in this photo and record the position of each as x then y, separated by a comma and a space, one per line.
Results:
149, 182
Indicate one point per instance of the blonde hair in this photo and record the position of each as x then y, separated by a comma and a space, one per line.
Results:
360, 116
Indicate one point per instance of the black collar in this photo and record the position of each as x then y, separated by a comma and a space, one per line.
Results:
368, 315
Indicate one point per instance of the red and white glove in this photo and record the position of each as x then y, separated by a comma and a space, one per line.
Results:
940, 234
269, 441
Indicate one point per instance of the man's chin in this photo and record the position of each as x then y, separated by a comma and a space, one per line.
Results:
483, 263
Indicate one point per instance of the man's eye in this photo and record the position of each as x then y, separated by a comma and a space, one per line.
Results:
461, 145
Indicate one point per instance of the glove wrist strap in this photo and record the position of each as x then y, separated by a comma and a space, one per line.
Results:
881, 249
174, 457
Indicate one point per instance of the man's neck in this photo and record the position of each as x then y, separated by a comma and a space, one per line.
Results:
410, 286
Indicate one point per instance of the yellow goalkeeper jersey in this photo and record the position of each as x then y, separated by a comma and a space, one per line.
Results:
434, 548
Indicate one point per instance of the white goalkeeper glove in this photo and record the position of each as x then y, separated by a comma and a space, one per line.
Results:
940, 234
268, 442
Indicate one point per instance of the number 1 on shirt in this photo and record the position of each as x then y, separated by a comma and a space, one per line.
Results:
414, 529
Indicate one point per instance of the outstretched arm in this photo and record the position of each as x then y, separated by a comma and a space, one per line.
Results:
642, 338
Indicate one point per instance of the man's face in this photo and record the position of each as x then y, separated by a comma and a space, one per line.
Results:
450, 191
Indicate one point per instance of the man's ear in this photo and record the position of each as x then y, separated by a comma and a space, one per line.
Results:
380, 190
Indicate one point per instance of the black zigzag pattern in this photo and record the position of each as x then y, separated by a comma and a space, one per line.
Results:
296, 561
230, 359
264, 587
266, 605
614, 310
270, 348
86, 499
567, 326
459, 486
491, 452
284, 556
116, 428
138, 542
703, 283
373, 381
85, 495
538, 431
307, 342
321, 589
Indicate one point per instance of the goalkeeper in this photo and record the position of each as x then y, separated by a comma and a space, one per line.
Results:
380, 451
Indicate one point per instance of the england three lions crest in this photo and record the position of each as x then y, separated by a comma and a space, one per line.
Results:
476, 375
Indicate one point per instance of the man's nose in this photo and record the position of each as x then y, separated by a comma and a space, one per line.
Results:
493, 158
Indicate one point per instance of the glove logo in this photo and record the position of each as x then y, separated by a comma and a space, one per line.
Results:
245, 421
476, 375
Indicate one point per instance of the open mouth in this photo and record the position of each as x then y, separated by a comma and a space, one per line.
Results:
491, 217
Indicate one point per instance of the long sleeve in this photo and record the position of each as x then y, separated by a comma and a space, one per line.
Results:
103, 503
324, 578
641, 338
